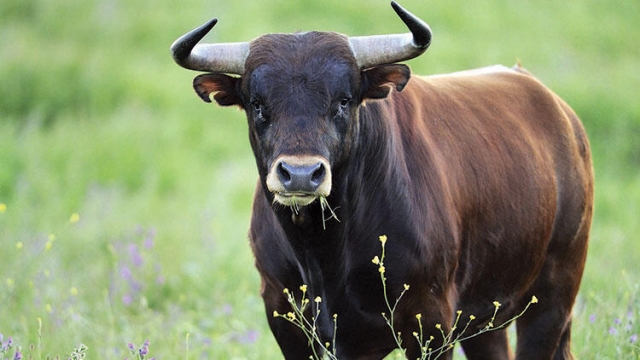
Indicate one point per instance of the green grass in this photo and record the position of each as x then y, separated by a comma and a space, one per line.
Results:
95, 119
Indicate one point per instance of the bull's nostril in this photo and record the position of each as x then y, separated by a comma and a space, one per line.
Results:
283, 173
318, 175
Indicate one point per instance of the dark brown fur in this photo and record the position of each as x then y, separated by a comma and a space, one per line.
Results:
482, 182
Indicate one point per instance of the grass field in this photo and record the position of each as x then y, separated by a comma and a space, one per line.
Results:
125, 200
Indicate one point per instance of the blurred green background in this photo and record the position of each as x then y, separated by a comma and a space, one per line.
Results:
125, 200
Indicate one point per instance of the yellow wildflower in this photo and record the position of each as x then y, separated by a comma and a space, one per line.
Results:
383, 239
318, 299
472, 317
3, 207
73, 291
496, 304
376, 260
291, 315
381, 269
534, 299
19, 245
303, 288
418, 316
275, 313
438, 326
406, 287
74, 218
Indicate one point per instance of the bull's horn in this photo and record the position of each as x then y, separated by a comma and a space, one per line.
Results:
224, 58
385, 49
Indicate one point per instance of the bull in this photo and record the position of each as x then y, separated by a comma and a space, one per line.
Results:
481, 180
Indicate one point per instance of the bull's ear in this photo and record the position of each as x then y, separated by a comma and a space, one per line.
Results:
377, 81
225, 88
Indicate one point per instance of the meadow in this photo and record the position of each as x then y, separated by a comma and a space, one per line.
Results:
125, 200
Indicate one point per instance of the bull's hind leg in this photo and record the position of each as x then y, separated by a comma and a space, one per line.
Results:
490, 345
544, 329
544, 333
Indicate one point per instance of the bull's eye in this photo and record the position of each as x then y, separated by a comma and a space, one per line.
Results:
344, 103
258, 111
343, 107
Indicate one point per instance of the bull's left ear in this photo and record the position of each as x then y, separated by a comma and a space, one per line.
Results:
377, 81
225, 88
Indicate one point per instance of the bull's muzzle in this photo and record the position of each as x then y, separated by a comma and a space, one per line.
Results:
299, 180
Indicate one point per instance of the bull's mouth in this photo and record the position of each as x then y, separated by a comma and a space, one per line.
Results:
296, 199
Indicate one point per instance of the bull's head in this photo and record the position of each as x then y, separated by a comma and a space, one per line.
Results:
301, 93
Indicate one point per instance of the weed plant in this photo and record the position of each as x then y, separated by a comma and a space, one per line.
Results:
448, 340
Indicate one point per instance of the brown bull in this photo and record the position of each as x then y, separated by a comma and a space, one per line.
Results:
481, 180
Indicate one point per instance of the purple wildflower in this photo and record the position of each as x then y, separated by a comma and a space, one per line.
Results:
131, 347
125, 273
617, 321
613, 331
249, 337
127, 299
633, 338
592, 318
148, 240
144, 350
136, 257
17, 356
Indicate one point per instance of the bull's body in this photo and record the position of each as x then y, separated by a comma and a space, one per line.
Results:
480, 180
482, 183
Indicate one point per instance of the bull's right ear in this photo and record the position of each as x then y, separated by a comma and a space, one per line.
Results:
225, 88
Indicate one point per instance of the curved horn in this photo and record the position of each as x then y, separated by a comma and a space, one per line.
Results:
224, 58
385, 49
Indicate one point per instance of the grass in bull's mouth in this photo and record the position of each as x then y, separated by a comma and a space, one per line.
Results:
324, 205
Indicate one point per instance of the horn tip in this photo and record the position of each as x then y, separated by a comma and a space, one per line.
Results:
181, 48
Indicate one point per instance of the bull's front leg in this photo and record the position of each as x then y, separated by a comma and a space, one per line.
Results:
291, 339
